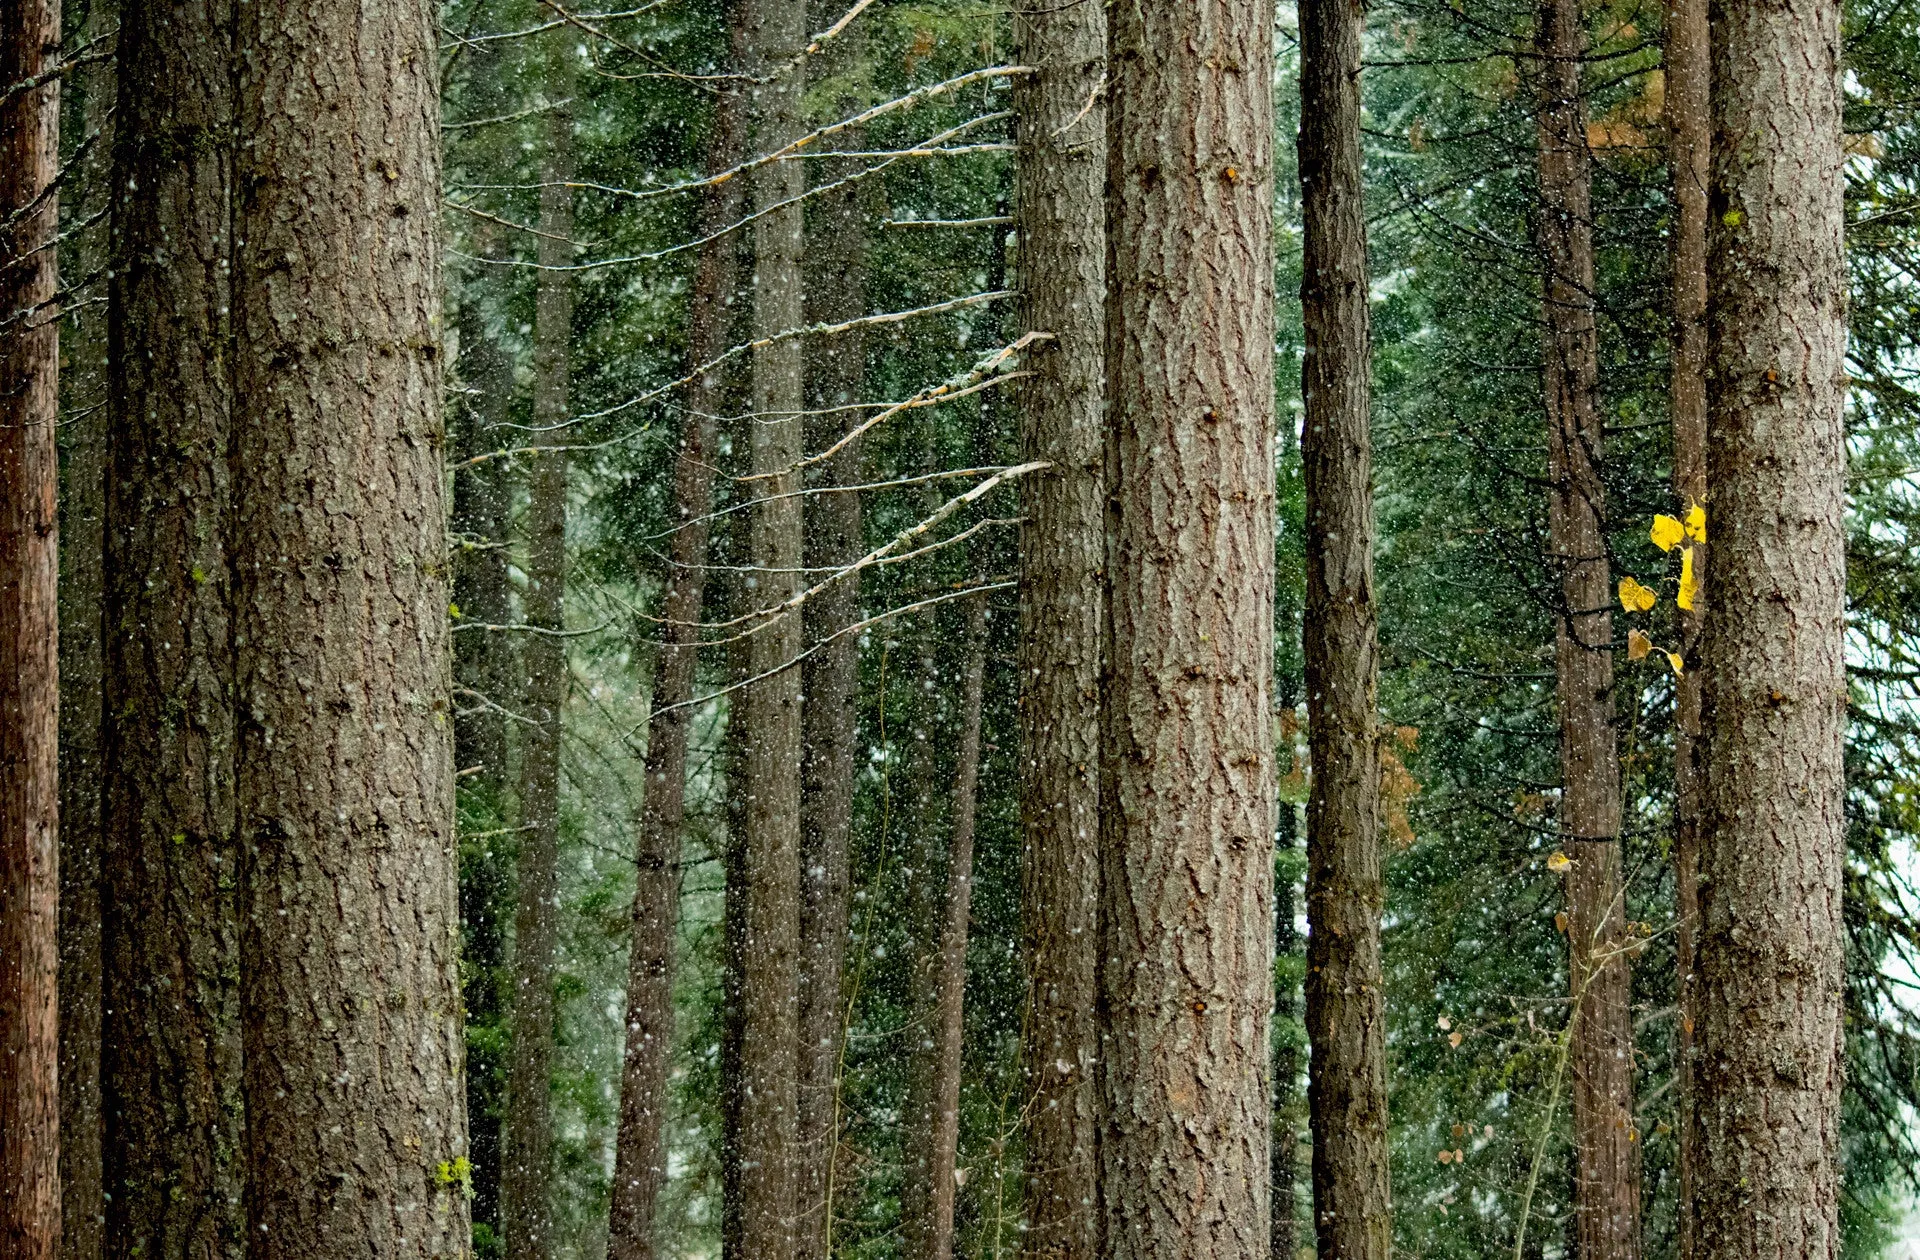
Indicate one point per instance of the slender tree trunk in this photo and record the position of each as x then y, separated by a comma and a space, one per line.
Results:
776, 31
1606, 1150
29, 639
640, 1156
344, 774
1770, 1056
484, 685
526, 1189
172, 1071
1346, 1005
1187, 823
936, 1066
836, 376
82, 509
1284, 1229
1062, 162
1688, 141
734, 956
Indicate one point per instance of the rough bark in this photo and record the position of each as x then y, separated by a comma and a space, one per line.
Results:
1688, 144
1346, 1003
1606, 1150
29, 640
836, 376
1060, 219
1770, 1060
82, 508
936, 1058
771, 717
356, 1124
1187, 828
172, 1071
640, 1156
526, 1189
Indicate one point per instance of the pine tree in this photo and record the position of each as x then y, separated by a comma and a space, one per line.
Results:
29, 634
1187, 809
1769, 1064
1060, 220
343, 773
175, 1176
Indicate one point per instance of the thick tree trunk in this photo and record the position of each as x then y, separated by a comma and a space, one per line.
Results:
1346, 1004
1187, 828
172, 1071
1770, 1056
1688, 142
1606, 1150
1062, 162
640, 1153
836, 376
776, 31
526, 1188
344, 775
29, 639
83, 487
929, 1231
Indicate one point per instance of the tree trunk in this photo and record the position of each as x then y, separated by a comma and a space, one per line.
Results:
1346, 1004
1286, 1058
1187, 830
936, 1055
83, 487
776, 31
1770, 1059
1688, 140
526, 1188
1061, 222
1606, 1150
646, 1103
172, 1071
484, 686
344, 767
836, 377
29, 639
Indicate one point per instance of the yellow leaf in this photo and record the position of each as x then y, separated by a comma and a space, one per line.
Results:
1559, 862
1453, 1039
1458, 1158
1689, 584
1697, 523
1635, 597
1666, 532
1638, 645
1445, 1023
1446, 1157
1560, 922
1679, 666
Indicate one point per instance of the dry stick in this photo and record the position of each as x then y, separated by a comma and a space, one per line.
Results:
775, 613
817, 191
965, 592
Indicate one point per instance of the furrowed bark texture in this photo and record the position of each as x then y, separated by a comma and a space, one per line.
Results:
776, 33
526, 1180
29, 640
836, 377
929, 1235
83, 486
1346, 1003
1187, 951
1284, 1231
1769, 1062
1688, 145
646, 1102
484, 688
1606, 1150
356, 1125
1061, 221
174, 1171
